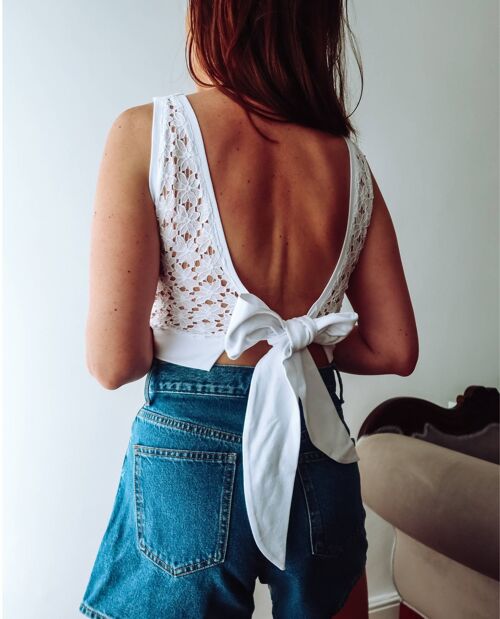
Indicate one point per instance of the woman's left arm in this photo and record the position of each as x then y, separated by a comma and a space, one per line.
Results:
124, 256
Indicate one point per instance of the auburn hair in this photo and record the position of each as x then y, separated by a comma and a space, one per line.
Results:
287, 55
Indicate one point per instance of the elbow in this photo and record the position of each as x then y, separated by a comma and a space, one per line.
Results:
405, 369
113, 361
113, 377
406, 365
108, 379
107, 369
114, 368
110, 383
400, 358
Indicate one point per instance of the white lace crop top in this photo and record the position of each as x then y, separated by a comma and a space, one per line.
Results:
202, 309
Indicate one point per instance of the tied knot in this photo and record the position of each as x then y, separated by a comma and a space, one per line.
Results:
253, 321
297, 334
285, 381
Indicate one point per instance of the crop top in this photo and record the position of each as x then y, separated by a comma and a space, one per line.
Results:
201, 309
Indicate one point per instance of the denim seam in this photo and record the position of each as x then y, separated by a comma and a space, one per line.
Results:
315, 513
201, 393
308, 511
138, 501
228, 459
315, 518
159, 419
147, 395
92, 613
172, 453
226, 502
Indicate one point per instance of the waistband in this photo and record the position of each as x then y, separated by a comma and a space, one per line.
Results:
221, 379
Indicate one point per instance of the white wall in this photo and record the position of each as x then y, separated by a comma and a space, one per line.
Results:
429, 126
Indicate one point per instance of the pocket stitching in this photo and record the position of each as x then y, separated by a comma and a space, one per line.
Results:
316, 526
314, 513
311, 541
228, 459
161, 420
226, 503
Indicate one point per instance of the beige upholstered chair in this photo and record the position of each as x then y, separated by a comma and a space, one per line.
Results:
433, 473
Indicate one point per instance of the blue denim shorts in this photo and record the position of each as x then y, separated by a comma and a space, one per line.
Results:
178, 544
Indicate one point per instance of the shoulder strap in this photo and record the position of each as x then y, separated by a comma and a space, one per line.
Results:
362, 208
158, 137
362, 196
365, 184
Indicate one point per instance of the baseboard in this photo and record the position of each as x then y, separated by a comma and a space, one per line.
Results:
385, 606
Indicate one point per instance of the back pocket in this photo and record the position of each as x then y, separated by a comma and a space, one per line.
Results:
183, 506
335, 509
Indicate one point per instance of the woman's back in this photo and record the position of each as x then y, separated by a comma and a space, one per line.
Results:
284, 206
287, 215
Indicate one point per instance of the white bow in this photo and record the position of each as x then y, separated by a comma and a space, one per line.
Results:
271, 429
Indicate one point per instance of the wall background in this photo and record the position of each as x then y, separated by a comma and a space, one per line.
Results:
429, 126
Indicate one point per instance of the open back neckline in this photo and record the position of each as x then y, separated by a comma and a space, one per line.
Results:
199, 143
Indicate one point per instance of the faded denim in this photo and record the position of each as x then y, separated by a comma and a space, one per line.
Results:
178, 543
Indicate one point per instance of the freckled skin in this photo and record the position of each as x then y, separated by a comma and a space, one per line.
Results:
303, 186
297, 227
284, 231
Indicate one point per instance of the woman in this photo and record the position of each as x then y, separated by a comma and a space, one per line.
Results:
228, 225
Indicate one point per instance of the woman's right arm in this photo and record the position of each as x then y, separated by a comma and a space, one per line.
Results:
385, 340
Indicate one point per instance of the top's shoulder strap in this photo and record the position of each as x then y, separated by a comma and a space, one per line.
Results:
363, 202
365, 184
362, 188
159, 135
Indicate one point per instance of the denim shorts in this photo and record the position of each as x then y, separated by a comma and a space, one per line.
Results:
178, 544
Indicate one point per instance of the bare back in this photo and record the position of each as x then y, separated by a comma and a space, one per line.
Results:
284, 211
284, 207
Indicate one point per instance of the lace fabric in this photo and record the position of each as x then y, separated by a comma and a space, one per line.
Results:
360, 223
198, 288
194, 292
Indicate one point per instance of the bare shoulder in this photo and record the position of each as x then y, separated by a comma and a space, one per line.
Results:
135, 118
130, 134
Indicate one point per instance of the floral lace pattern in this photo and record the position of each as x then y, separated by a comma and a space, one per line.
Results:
195, 293
360, 223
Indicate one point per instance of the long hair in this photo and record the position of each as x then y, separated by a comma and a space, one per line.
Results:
288, 55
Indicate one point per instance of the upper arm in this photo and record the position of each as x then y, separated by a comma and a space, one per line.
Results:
124, 254
379, 294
